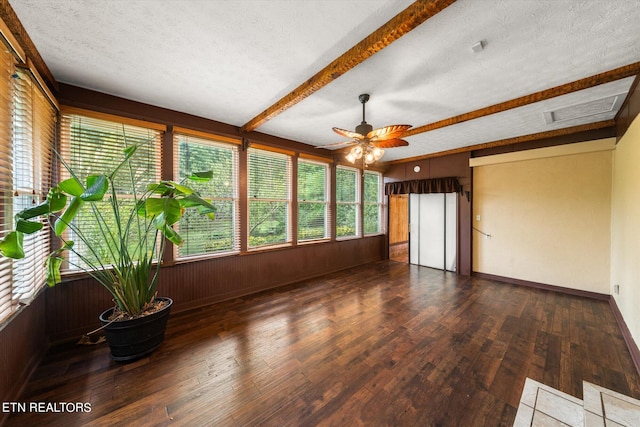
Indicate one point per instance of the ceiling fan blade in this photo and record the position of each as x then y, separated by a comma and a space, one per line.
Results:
336, 144
348, 133
390, 143
387, 132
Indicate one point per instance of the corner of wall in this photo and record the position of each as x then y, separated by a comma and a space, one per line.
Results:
625, 230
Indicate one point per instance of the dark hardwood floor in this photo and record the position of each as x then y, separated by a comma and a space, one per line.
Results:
386, 344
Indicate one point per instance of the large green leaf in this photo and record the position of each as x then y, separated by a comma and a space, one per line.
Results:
167, 188
97, 186
57, 199
201, 176
160, 188
159, 222
11, 245
41, 209
171, 234
167, 208
180, 189
68, 215
141, 208
194, 200
53, 263
210, 213
53, 270
28, 227
72, 186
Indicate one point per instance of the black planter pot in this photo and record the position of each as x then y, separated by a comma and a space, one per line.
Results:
132, 339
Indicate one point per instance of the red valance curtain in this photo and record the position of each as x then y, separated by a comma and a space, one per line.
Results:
424, 186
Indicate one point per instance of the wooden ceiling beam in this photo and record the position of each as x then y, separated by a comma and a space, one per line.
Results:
587, 82
513, 140
395, 28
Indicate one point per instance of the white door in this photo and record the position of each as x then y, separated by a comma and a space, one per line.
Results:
414, 223
451, 231
432, 230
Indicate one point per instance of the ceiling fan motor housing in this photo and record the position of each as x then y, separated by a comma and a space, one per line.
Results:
364, 128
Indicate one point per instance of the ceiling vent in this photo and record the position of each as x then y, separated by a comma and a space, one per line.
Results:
599, 106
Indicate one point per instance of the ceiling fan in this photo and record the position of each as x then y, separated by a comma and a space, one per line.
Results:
370, 143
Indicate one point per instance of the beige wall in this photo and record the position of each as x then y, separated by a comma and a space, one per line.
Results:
625, 229
549, 219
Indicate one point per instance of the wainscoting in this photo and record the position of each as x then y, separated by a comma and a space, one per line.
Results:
386, 343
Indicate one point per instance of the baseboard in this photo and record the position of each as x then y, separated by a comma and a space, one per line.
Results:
553, 288
628, 339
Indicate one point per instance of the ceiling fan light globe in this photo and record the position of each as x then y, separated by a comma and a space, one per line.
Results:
357, 151
369, 158
377, 153
351, 158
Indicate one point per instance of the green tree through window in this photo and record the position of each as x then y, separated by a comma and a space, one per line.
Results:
313, 201
347, 202
269, 194
372, 203
202, 235
93, 146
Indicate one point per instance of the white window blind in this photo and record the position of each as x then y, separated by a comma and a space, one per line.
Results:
27, 133
347, 202
269, 194
372, 222
6, 176
202, 235
313, 200
93, 146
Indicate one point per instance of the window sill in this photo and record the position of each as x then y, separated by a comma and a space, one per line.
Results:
268, 248
339, 239
313, 242
200, 257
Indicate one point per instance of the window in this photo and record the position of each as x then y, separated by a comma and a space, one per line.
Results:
347, 201
94, 146
201, 235
269, 184
27, 136
313, 200
372, 203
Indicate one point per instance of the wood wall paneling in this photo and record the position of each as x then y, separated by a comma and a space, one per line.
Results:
24, 343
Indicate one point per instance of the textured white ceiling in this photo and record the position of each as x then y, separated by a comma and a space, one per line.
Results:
230, 60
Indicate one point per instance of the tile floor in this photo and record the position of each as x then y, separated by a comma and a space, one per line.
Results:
543, 406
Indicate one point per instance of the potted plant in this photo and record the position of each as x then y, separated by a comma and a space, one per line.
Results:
125, 254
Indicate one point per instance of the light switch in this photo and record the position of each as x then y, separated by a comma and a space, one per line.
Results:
477, 217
